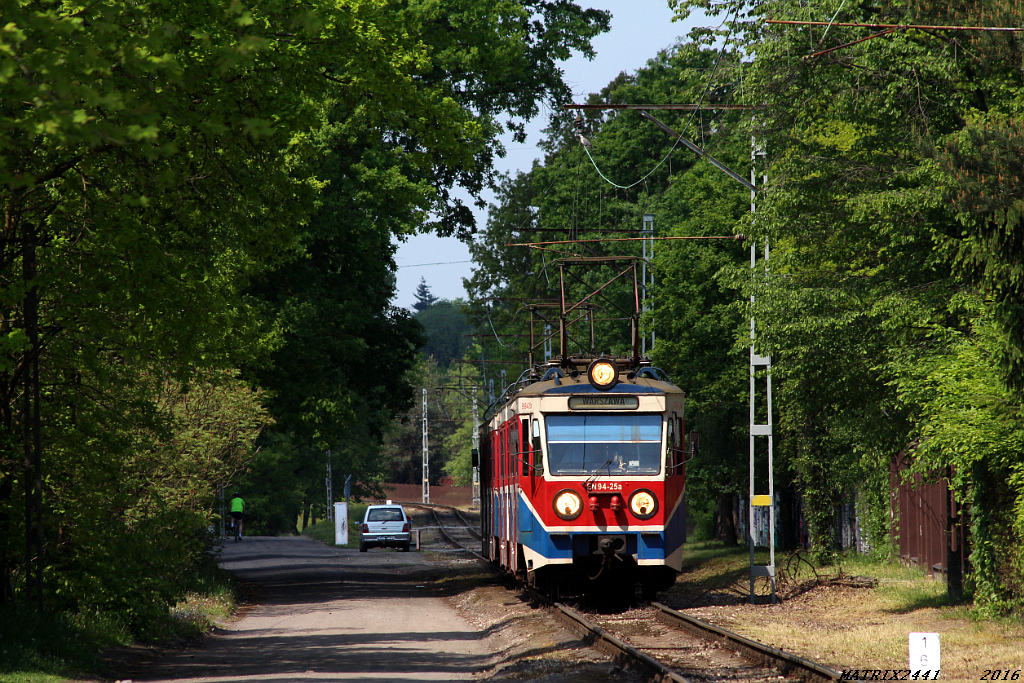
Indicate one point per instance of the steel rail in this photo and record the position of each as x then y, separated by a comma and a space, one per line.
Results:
438, 506
756, 652
622, 653
458, 513
444, 533
433, 507
627, 656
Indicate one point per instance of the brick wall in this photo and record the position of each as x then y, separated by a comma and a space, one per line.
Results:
456, 496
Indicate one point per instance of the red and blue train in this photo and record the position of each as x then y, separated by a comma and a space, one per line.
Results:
582, 474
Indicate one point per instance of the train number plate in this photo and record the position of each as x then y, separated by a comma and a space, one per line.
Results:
609, 486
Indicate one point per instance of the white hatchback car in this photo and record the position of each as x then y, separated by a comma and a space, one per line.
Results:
386, 526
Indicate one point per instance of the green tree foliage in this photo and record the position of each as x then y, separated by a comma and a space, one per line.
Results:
970, 428
449, 411
337, 374
446, 329
695, 306
188, 189
892, 213
132, 497
983, 161
146, 171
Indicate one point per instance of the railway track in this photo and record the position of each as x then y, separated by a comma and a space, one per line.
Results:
692, 650
657, 642
450, 528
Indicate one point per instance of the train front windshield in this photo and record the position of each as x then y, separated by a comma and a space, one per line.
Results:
604, 444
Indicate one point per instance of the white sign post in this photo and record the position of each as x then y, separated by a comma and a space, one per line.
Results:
924, 654
341, 524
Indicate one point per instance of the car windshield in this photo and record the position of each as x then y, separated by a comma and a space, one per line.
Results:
384, 515
612, 444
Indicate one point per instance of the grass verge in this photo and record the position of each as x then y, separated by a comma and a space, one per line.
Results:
856, 614
323, 530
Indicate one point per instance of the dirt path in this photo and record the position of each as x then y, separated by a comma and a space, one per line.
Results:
330, 614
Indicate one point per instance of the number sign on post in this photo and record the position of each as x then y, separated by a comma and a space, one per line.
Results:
924, 654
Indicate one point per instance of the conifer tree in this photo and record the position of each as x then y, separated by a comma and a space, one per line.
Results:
424, 299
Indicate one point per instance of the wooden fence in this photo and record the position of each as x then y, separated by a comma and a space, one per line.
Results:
930, 529
456, 496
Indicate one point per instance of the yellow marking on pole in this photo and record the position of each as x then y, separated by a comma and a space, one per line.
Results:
761, 500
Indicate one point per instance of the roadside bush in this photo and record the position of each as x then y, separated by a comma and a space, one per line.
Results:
703, 523
54, 643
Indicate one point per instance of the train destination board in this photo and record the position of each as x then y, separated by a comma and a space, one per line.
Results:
604, 402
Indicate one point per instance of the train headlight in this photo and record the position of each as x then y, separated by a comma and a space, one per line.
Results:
568, 504
603, 374
643, 504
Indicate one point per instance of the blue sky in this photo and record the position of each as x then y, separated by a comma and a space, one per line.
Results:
640, 28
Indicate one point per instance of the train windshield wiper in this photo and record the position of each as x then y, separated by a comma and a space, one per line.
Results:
597, 472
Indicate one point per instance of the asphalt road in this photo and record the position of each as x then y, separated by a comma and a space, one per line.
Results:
327, 614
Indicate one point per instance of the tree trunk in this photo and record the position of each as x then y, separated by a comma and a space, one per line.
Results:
727, 515
33, 446
954, 545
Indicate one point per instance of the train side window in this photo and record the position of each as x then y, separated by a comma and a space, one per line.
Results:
538, 459
670, 449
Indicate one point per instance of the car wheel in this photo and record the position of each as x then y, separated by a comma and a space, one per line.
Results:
405, 547
362, 547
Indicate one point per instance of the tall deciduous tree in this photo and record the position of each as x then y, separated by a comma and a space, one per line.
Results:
146, 170
158, 159
338, 374
896, 248
446, 329
695, 307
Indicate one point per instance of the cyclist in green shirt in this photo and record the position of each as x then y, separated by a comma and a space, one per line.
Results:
237, 515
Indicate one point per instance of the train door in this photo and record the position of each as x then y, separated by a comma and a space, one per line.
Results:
496, 513
487, 485
675, 474
515, 455
536, 456
507, 486
502, 503
527, 484
670, 447
680, 465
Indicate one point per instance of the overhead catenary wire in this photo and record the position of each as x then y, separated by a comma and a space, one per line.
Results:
538, 245
575, 226
923, 27
439, 263
707, 87
495, 332
832, 20
887, 29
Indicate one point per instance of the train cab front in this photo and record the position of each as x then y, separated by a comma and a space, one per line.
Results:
604, 534
608, 512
